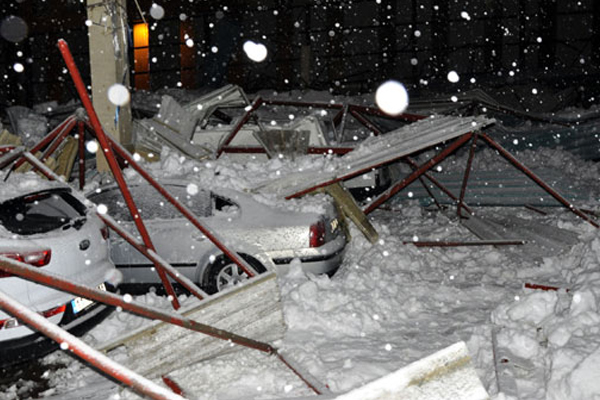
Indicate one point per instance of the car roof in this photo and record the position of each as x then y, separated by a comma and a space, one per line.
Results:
246, 200
19, 184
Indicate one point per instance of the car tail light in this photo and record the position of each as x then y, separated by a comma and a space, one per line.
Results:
33, 258
105, 232
317, 234
13, 322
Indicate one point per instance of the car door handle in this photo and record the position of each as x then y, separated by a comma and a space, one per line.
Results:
199, 237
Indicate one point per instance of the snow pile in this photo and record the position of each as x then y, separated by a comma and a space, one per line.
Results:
557, 331
392, 303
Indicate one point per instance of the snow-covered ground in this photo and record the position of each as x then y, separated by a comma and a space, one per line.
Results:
393, 303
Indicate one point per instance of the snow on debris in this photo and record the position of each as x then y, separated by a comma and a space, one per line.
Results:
393, 303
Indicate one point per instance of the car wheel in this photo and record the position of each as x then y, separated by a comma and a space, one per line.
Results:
224, 273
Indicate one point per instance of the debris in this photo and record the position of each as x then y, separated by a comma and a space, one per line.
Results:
541, 240
506, 187
445, 375
252, 310
7, 138
377, 151
26, 124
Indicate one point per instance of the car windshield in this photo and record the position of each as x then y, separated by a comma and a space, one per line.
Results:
40, 212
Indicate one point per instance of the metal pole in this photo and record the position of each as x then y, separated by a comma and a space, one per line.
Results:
9, 154
40, 166
253, 107
309, 104
70, 343
463, 188
311, 150
437, 183
385, 196
368, 124
378, 112
112, 162
463, 244
537, 180
58, 140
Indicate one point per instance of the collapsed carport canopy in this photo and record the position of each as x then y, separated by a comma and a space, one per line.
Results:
377, 151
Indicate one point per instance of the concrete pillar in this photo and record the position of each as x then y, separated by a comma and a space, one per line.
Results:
108, 66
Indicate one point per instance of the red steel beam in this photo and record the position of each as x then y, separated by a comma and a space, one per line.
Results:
78, 347
253, 107
311, 150
385, 196
547, 288
39, 166
6, 149
438, 184
463, 189
368, 124
313, 104
462, 244
58, 140
112, 162
376, 111
537, 210
493, 144
212, 236
339, 115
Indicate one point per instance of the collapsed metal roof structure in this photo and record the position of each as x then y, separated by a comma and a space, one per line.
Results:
443, 133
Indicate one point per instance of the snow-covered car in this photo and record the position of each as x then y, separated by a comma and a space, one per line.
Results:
259, 233
52, 230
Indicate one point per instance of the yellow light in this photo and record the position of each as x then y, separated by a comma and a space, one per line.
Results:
140, 35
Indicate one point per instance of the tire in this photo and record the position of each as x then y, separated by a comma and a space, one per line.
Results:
224, 273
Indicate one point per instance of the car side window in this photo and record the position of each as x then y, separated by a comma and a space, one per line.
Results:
113, 200
223, 206
198, 200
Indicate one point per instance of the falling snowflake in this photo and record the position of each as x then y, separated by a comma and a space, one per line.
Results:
391, 97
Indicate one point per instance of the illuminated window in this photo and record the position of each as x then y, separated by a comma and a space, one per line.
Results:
188, 54
141, 59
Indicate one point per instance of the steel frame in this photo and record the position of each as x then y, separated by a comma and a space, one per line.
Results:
339, 119
358, 112
113, 369
109, 148
39, 276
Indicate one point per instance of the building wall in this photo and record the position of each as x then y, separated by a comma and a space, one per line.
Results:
341, 46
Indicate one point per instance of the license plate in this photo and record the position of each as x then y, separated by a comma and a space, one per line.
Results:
80, 303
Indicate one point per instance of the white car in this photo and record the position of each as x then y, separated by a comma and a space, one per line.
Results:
50, 229
254, 230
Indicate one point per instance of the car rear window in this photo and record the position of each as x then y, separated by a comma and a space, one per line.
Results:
40, 212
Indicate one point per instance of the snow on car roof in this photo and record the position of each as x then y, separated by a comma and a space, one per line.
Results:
18, 184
